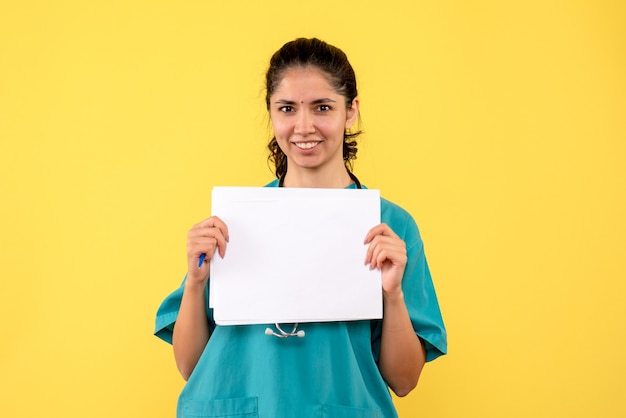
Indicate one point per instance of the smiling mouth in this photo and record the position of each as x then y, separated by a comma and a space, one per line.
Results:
306, 145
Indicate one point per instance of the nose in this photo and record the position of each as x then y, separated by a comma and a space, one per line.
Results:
304, 123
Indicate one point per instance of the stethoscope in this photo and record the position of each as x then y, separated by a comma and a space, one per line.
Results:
281, 181
295, 332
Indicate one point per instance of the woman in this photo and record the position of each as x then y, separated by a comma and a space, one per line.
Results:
340, 369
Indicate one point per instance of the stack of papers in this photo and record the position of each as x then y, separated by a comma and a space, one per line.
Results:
295, 255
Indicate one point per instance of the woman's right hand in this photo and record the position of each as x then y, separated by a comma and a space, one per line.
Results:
204, 238
191, 332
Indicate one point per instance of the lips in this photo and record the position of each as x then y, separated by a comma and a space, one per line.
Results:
306, 145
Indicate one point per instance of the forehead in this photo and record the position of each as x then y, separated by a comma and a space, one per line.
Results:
304, 82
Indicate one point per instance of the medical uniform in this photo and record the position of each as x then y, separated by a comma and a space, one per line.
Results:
331, 372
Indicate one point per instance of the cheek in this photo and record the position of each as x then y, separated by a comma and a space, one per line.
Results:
280, 128
332, 128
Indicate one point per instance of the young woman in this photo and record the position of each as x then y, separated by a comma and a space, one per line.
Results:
340, 369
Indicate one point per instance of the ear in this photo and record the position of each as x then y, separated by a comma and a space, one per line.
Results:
352, 113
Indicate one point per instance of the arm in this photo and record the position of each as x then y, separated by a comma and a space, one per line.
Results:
191, 332
402, 354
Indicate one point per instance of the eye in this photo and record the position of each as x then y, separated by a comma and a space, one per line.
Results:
323, 108
286, 109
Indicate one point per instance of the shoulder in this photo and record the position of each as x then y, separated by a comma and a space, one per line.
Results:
400, 221
393, 211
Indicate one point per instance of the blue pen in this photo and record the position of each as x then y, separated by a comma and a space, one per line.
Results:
201, 260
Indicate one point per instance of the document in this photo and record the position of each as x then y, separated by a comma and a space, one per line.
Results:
295, 255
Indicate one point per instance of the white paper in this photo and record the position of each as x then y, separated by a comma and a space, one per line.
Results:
295, 255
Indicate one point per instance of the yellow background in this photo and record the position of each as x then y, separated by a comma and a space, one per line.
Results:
501, 126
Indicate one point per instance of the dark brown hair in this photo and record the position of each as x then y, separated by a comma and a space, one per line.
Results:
334, 64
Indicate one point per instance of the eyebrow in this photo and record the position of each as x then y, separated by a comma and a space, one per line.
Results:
314, 102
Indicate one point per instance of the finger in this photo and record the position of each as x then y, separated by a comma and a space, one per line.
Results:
373, 241
370, 251
221, 244
207, 245
208, 222
371, 234
213, 222
385, 248
222, 227
380, 229
201, 245
379, 255
373, 252
207, 232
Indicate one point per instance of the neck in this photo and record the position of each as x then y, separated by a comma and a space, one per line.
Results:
317, 180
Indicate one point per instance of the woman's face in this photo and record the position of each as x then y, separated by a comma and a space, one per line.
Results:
309, 119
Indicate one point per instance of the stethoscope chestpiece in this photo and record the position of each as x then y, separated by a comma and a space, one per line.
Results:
283, 334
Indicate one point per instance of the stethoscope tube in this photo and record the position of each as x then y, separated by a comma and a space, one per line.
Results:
294, 331
281, 181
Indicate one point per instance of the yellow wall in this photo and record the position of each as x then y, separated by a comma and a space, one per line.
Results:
500, 125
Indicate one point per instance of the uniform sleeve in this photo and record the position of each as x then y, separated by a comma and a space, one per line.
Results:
422, 303
417, 286
168, 313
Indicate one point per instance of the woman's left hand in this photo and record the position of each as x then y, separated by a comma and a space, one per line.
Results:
387, 252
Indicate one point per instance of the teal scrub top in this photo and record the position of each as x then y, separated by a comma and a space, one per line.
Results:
331, 372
